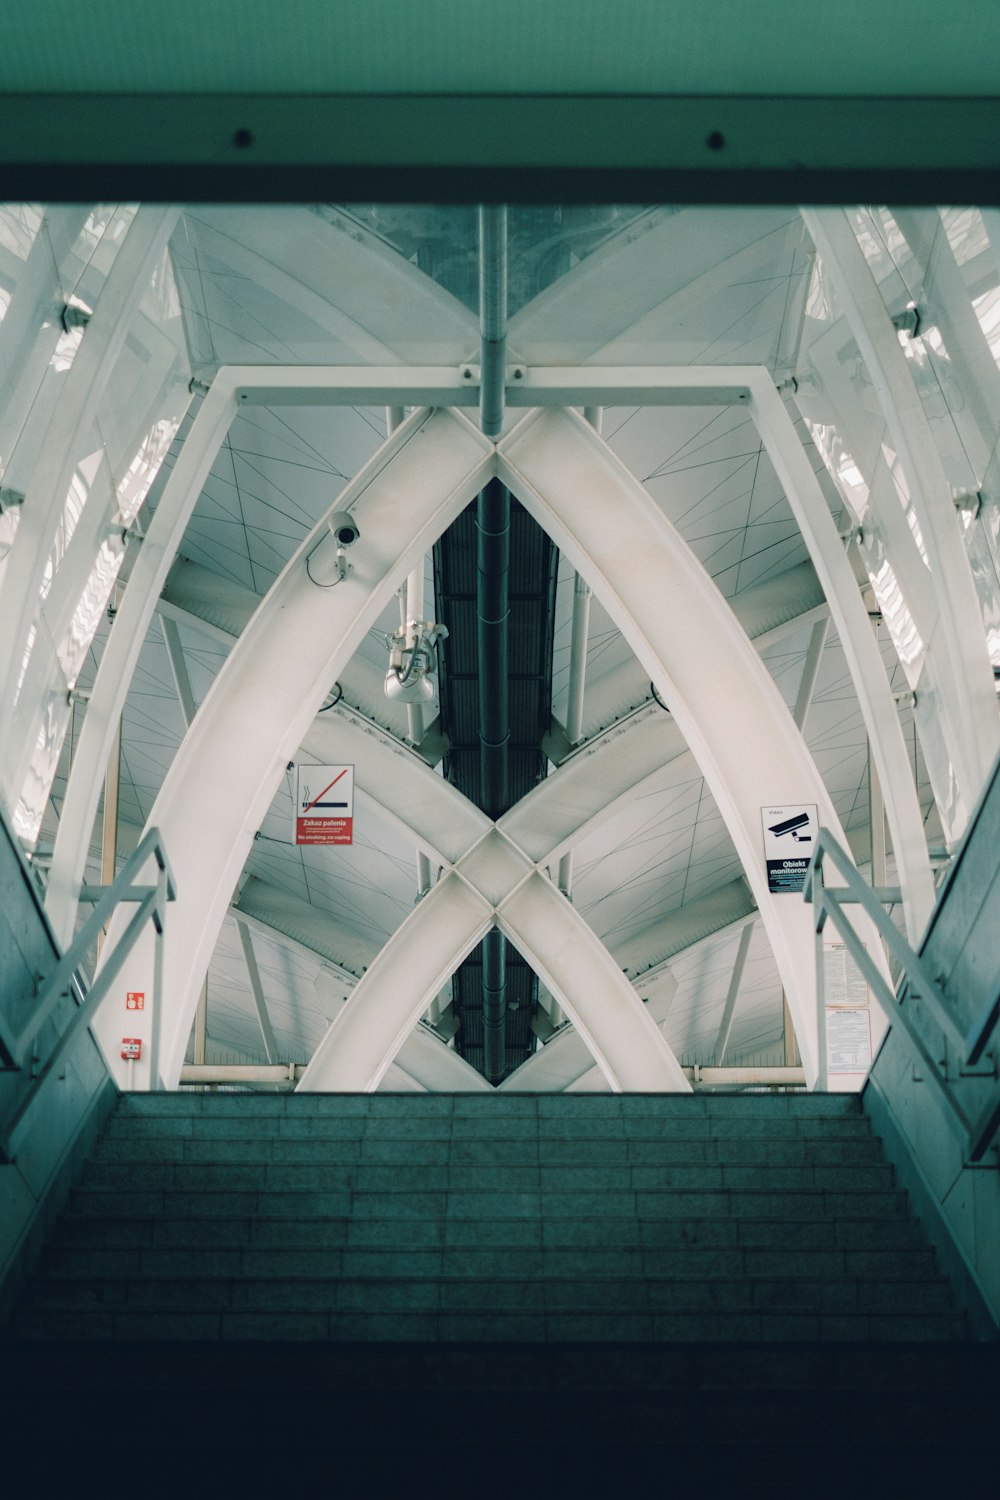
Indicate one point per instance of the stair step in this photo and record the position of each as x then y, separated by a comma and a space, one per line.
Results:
466, 1156
343, 1258
504, 1106
382, 1218
270, 1284
497, 1181
679, 1204
885, 1233
491, 1327
703, 1138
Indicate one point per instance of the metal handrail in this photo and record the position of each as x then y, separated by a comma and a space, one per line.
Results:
152, 901
917, 981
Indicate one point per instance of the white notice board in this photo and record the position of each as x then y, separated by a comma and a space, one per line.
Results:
848, 1040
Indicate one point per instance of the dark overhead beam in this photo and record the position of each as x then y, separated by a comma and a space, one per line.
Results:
495, 148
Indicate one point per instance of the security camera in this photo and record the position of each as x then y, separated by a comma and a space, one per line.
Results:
344, 528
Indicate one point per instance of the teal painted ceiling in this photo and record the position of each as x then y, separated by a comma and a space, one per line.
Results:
726, 47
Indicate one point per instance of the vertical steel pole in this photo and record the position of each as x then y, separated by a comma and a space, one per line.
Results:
582, 596
109, 818
791, 1049
729, 1010
492, 317
201, 1027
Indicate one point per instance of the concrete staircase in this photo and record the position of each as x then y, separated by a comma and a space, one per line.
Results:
549, 1294
431, 1219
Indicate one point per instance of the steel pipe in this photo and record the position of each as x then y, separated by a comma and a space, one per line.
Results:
582, 595
729, 1009
493, 628
492, 317
494, 1005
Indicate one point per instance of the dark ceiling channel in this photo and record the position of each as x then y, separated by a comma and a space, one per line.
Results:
464, 676
495, 576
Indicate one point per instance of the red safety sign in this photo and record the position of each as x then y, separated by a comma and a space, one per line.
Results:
324, 804
131, 1048
135, 1000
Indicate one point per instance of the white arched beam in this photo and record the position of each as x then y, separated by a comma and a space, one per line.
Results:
566, 1058
65, 439
155, 556
725, 702
396, 990
436, 1066
409, 796
767, 611
494, 884
966, 678
556, 941
259, 708
593, 784
446, 826
612, 767
850, 616
861, 652
620, 1034
422, 1057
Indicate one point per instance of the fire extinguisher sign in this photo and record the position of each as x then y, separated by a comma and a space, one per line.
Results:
324, 804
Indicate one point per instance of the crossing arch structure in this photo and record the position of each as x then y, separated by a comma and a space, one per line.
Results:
877, 507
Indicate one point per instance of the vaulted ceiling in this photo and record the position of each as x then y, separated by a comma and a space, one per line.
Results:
659, 879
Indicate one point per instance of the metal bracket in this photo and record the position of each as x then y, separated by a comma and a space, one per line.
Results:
555, 742
970, 504
471, 374
908, 321
73, 317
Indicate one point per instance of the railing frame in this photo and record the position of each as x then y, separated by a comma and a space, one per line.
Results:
916, 983
64, 979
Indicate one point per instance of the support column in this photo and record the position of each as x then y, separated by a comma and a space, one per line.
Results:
257, 992
965, 674
732, 994
712, 678
118, 661
267, 694
864, 661
85, 385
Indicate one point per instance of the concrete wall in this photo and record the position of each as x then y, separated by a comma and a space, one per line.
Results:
958, 1205
958, 1202
72, 1105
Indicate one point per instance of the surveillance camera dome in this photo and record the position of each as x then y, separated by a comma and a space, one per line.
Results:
344, 528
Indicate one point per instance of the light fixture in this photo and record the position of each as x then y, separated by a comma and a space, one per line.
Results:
411, 658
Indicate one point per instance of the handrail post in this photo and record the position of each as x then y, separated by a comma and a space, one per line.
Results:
159, 913
151, 903
831, 904
816, 886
